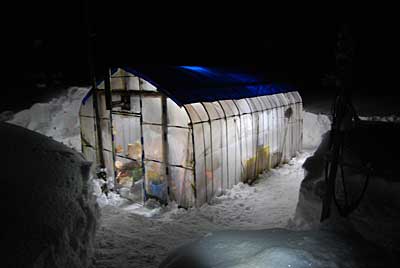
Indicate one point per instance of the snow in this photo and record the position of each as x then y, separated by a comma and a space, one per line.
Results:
50, 216
57, 119
386, 118
141, 236
314, 126
133, 235
377, 219
273, 248
111, 199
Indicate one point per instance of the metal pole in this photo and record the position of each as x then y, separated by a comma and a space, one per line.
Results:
92, 73
107, 86
205, 158
211, 150
330, 180
142, 144
254, 117
193, 155
164, 122
240, 141
226, 145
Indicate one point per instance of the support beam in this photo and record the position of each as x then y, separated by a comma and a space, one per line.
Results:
164, 126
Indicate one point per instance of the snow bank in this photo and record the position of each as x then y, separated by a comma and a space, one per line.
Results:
57, 119
314, 126
387, 118
377, 218
312, 189
276, 248
50, 217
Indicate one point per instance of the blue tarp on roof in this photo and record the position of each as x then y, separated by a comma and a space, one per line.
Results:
190, 84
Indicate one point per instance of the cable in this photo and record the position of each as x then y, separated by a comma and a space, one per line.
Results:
348, 207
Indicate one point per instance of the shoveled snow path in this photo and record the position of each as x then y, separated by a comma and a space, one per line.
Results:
133, 236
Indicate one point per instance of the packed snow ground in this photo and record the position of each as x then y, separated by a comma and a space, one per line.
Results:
135, 236
131, 235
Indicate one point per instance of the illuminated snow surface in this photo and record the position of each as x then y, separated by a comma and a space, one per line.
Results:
274, 248
58, 119
135, 236
238, 228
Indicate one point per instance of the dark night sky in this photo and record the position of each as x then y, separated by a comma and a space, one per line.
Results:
52, 38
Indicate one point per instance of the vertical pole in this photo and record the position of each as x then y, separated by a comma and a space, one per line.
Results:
211, 151
240, 138
92, 73
258, 134
107, 86
254, 117
269, 130
226, 144
193, 155
204, 153
331, 177
164, 125
142, 142
194, 165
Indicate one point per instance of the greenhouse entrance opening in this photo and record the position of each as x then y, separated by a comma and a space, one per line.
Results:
128, 154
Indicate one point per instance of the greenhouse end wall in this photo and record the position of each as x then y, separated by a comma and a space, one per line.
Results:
191, 153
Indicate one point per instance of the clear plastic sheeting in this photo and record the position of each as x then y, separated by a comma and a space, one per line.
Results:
151, 109
179, 140
127, 136
191, 153
177, 116
153, 140
182, 188
144, 85
235, 140
105, 126
88, 134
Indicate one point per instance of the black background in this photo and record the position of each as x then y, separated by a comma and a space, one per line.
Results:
48, 41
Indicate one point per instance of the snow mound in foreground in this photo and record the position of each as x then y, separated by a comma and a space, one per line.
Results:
275, 248
58, 119
49, 215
